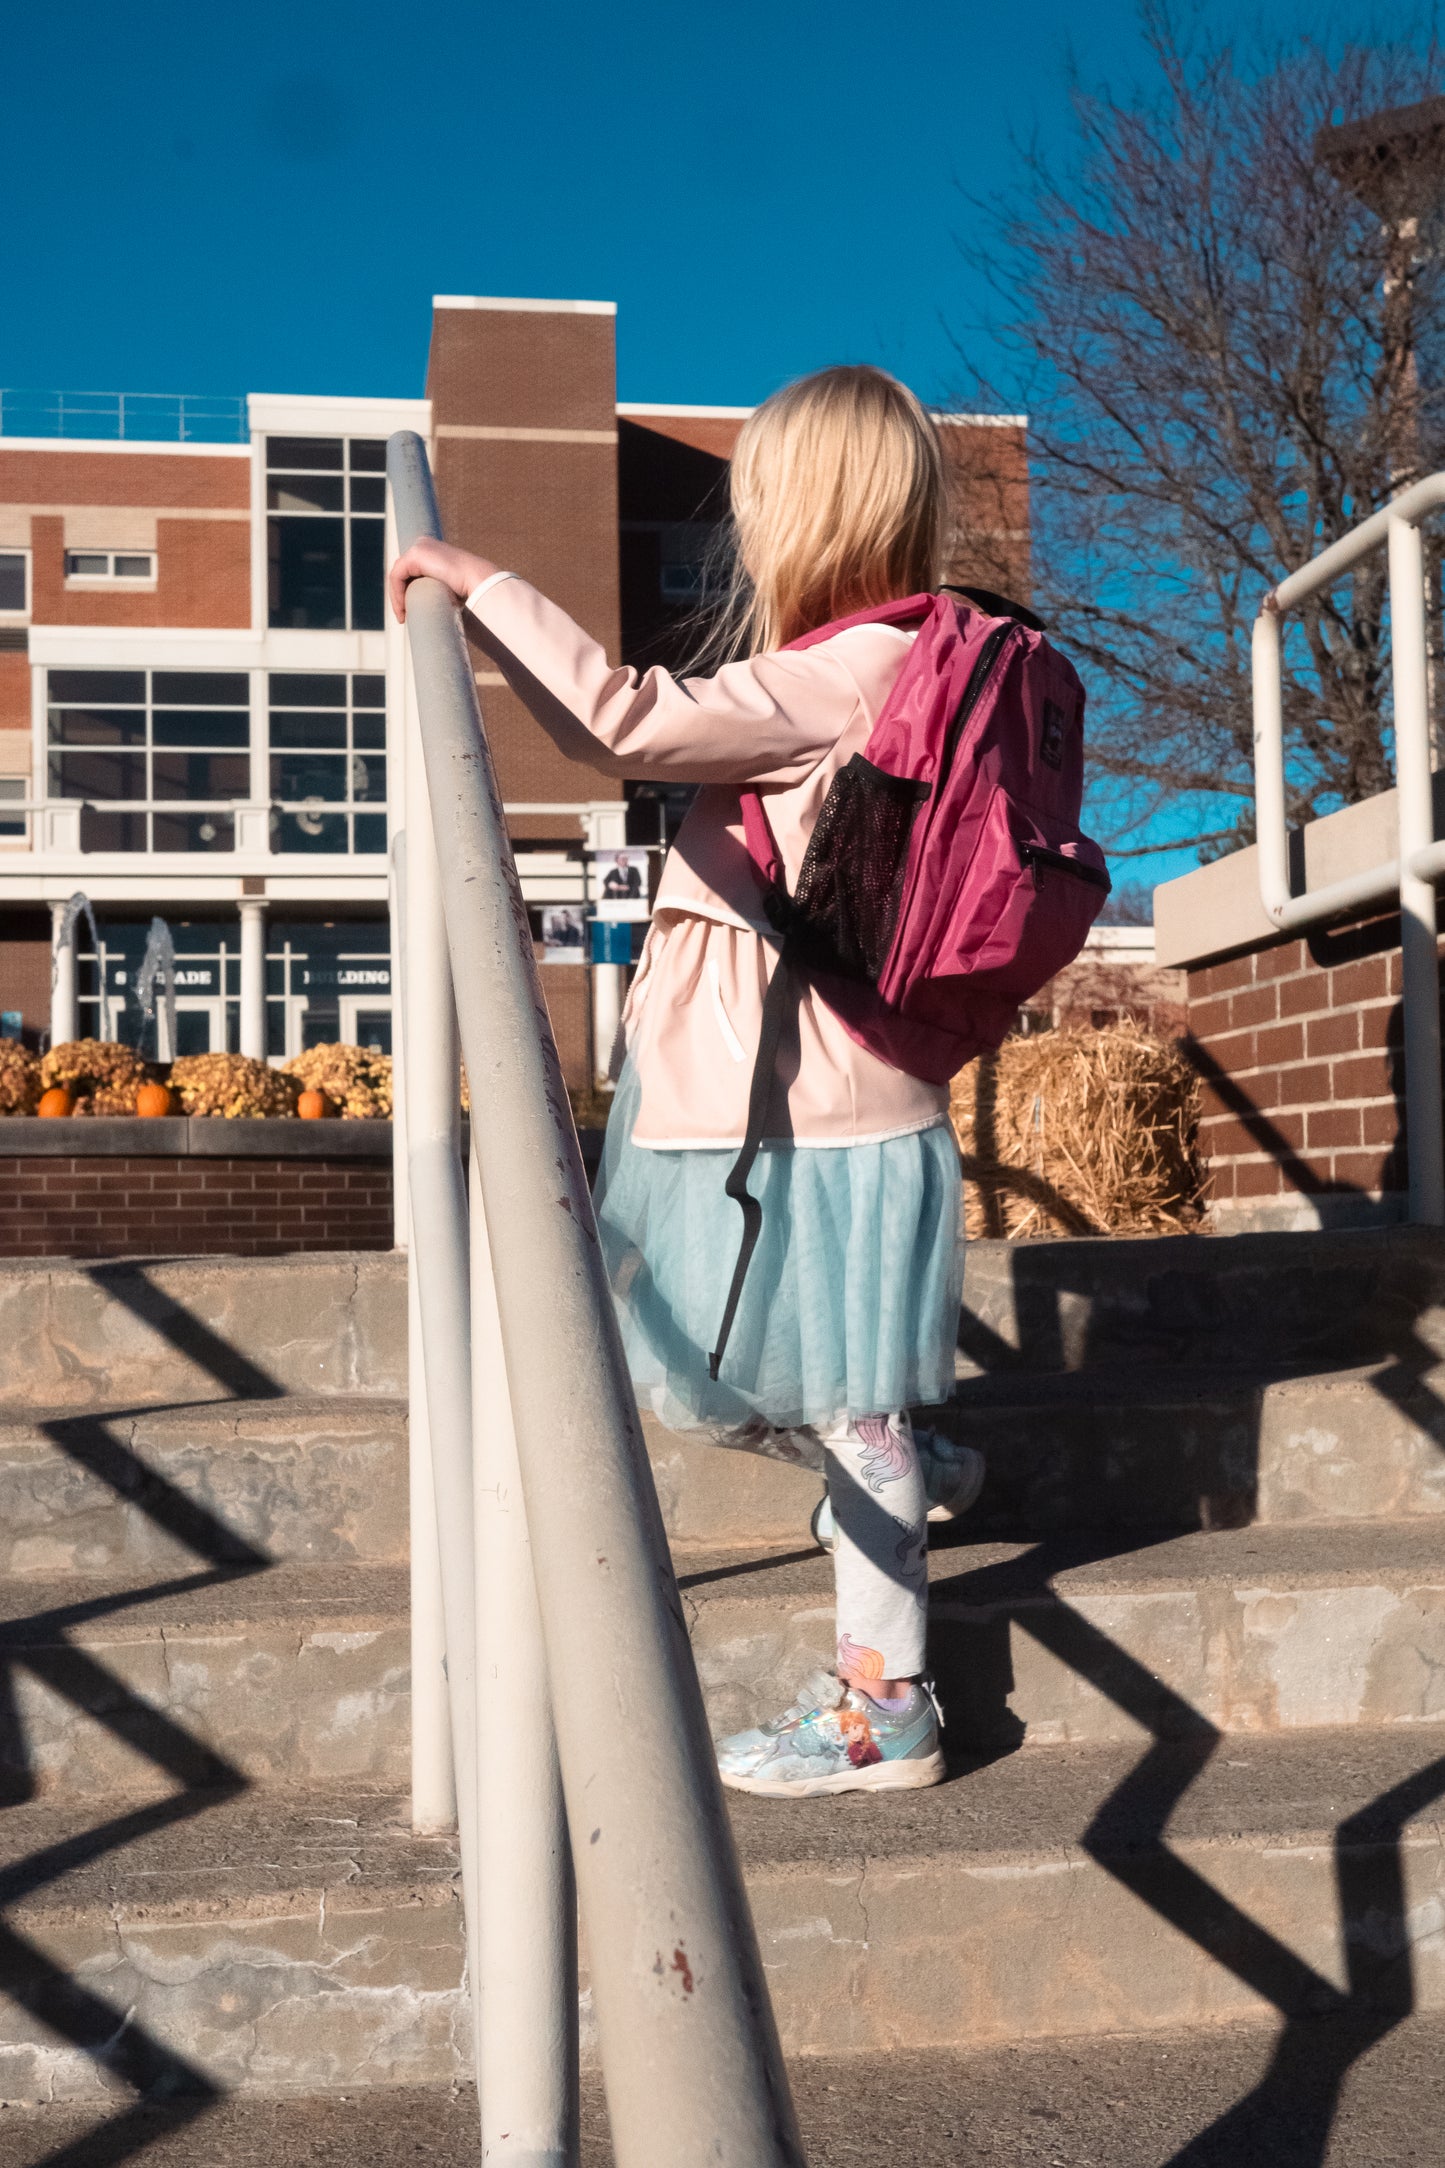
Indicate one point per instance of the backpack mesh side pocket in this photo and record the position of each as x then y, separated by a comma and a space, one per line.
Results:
843, 911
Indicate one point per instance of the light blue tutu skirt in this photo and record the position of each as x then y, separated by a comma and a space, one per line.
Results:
851, 1303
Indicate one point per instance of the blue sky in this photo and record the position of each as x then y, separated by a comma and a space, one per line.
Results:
264, 198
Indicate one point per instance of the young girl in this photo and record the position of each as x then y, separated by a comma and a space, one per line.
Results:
849, 1313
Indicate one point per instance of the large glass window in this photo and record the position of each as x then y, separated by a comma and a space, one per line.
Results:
327, 982
325, 524
208, 987
156, 757
328, 761
15, 582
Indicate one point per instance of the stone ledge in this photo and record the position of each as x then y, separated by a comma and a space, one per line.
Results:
27, 1136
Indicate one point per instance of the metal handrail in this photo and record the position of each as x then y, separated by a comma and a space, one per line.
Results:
688, 2045
1420, 861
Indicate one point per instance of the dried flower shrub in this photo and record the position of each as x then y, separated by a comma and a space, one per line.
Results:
355, 1080
232, 1087
20, 1085
103, 1075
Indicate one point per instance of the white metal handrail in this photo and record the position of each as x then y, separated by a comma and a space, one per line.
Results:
569, 1581
1420, 862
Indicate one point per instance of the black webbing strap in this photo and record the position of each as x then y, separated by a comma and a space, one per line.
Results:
781, 988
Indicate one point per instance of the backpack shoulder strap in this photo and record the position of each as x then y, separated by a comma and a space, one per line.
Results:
904, 610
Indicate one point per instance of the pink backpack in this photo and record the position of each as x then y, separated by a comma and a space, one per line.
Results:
947, 878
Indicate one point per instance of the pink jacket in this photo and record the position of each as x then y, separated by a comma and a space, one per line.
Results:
785, 721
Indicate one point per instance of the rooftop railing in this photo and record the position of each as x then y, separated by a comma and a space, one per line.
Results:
577, 1733
135, 416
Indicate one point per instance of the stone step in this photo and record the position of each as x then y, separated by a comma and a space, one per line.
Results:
302, 1477
241, 1482
1155, 1447
268, 1942
1242, 1632
323, 1476
1248, 2095
292, 1674
301, 1674
165, 1330
1295, 1301
131, 1333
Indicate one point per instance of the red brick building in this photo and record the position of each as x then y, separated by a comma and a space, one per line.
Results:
199, 692
1297, 1039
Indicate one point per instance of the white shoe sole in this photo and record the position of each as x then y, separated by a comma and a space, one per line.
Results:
975, 1468
887, 1776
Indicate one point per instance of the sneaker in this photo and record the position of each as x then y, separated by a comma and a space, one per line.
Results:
834, 1739
952, 1475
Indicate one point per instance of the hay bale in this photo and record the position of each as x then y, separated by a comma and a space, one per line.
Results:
1080, 1133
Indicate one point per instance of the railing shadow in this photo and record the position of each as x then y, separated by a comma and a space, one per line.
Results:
126, 2052
1288, 2117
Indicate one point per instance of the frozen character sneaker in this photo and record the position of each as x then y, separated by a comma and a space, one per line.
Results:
834, 1739
952, 1475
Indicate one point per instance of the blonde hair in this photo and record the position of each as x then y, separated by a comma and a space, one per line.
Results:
838, 502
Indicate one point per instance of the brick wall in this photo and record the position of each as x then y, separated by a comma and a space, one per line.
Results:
525, 423
1298, 1043
25, 968
192, 510
175, 1206
988, 473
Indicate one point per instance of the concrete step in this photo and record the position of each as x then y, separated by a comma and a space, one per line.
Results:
302, 1477
164, 1490
144, 1333
289, 1675
1300, 1301
301, 1674
137, 1332
1182, 1447
1317, 2095
1246, 1632
269, 1942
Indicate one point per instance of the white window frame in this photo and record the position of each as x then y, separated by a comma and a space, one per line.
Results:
22, 615
15, 792
110, 577
345, 438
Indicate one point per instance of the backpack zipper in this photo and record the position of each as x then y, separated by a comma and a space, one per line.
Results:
973, 692
1043, 861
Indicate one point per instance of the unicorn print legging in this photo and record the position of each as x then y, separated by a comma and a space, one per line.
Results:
880, 1512
880, 1562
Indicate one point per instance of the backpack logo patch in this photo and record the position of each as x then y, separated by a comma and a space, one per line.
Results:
1051, 745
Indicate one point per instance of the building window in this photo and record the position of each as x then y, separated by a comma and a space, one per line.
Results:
325, 528
110, 565
14, 790
156, 757
208, 988
326, 982
14, 583
328, 761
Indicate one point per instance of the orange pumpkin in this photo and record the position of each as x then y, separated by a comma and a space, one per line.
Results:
152, 1100
56, 1101
313, 1106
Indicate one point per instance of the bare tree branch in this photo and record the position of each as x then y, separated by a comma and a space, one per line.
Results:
1194, 307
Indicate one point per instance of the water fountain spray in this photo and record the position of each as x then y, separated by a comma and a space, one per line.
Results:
158, 963
76, 909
